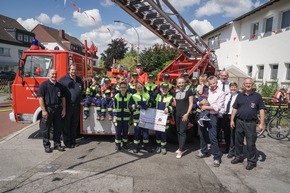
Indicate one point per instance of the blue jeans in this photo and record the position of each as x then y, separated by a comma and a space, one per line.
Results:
211, 128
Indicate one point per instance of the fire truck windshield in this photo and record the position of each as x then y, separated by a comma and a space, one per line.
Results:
37, 66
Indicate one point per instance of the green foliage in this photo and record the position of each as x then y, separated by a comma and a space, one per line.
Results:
155, 58
268, 90
116, 50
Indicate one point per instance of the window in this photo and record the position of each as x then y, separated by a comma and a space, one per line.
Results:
269, 24
25, 38
213, 42
285, 19
20, 53
31, 39
250, 70
260, 72
37, 66
4, 51
288, 71
274, 71
255, 29
20, 37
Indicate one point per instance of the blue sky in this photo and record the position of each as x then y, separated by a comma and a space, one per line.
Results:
95, 21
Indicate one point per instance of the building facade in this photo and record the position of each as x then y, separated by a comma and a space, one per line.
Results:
257, 43
14, 39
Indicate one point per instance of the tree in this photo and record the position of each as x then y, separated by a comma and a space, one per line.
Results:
157, 57
116, 50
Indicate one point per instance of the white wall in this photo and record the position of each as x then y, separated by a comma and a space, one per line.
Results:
264, 49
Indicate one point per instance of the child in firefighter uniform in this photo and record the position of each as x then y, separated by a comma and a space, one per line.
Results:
164, 102
122, 116
93, 94
132, 83
140, 100
107, 100
151, 88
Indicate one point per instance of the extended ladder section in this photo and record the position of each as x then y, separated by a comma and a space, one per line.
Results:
161, 18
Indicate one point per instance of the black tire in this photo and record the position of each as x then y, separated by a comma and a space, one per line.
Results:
278, 128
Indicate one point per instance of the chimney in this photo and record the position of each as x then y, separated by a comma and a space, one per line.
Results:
61, 33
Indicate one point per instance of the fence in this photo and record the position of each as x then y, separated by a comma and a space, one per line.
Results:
5, 85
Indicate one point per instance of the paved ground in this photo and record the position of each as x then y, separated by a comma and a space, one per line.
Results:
6, 126
95, 166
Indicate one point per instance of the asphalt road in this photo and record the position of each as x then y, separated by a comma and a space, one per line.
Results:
95, 166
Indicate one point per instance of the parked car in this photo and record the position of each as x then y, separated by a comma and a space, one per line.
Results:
10, 75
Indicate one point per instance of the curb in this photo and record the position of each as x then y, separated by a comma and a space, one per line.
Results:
7, 138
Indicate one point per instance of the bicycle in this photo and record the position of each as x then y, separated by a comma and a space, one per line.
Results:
277, 124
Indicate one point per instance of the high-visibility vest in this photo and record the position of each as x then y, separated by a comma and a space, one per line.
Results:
93, 91
121, 106
137, 100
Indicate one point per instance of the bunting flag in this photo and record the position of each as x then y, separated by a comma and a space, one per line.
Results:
274, 31
219, 41
64, 2
93, 49
253, 36
73, 4
235, 38
79, 10
93, 18
262, 34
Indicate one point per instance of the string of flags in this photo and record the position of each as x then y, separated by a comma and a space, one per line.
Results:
252, 36
79, 10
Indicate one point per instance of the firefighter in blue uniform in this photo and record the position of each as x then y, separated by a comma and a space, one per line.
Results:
93, 94
140, 100
164, 102
122, 116
107, 102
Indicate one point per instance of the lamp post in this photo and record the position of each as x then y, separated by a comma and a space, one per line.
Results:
118, 21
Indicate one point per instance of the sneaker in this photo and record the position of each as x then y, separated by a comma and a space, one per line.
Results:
216, 163
201, 155
200, 122
158, 150
206, 118
86, 117
163, 151
179, 155
177, 151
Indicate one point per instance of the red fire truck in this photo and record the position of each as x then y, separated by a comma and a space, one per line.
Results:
33, 70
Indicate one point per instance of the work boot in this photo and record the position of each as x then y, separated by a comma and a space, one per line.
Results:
125, 146
148, 149
47, 150
136, 149
118, 146
163, 151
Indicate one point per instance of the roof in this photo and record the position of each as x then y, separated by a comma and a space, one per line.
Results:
263, 6
48, 34
8, 30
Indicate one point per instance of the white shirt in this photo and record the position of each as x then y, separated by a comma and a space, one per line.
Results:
227, 86
227, 98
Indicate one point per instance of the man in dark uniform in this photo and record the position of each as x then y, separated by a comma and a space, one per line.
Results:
52, 103
74, 87
246, 107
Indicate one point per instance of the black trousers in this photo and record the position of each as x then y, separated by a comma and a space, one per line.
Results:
246, 130
181, 127
53, 119
71, 124
229, 134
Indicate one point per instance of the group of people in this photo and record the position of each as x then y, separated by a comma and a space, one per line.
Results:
216, 104
60, 105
